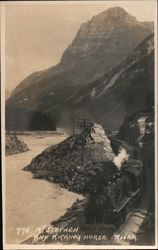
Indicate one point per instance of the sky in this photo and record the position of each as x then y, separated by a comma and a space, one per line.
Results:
37, 33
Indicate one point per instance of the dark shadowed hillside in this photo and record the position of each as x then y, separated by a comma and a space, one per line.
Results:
138, 130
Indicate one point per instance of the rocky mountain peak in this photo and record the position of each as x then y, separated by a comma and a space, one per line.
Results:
107, 21
105, 31
117, 12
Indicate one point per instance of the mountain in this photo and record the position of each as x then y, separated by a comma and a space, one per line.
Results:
99, 46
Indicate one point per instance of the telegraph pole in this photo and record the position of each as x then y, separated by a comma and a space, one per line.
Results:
73, 119
83, 124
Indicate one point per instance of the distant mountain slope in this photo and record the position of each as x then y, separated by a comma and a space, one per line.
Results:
126, 89
99, 46
149, 25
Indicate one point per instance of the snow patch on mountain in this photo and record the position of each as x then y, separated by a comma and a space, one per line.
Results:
111, 82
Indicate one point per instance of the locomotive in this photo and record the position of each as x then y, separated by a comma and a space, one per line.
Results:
114, 197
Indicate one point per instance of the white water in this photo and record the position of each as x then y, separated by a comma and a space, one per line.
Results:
31, 203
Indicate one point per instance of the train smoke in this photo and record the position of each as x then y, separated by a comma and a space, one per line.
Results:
121, 157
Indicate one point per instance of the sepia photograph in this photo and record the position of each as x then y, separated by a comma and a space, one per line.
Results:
79, 124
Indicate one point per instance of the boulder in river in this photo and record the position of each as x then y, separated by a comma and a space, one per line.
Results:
14, 145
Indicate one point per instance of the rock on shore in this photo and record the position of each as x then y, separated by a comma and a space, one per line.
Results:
14, 145
75, 161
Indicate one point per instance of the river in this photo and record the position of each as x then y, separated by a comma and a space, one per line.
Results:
31, 203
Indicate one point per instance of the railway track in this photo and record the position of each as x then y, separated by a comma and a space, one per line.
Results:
128, 232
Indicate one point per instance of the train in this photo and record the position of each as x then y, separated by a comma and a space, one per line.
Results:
112, 198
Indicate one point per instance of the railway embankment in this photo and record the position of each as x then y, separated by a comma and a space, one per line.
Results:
140, 221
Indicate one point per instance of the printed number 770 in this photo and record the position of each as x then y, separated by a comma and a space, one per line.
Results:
22, 230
